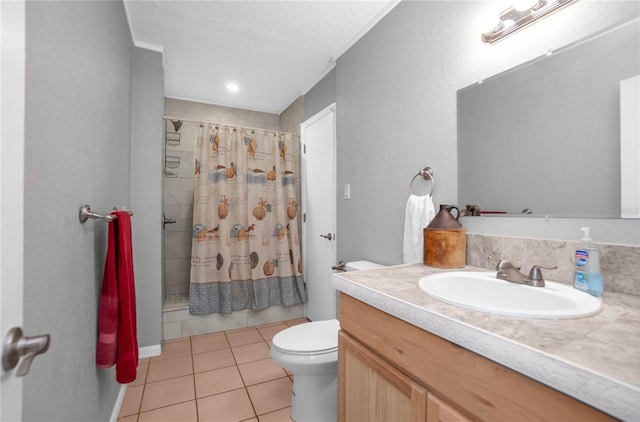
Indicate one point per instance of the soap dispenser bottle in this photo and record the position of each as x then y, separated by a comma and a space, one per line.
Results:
587, 274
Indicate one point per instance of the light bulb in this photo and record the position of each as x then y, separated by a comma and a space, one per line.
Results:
487, 21
231, 87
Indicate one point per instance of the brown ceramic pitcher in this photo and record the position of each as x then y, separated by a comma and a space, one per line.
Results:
445, 220
445, 241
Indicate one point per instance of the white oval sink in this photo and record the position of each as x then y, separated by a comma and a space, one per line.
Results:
482, 291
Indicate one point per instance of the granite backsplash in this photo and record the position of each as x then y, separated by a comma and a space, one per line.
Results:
620, 265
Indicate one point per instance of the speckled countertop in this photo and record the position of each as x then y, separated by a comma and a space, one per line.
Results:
595, 360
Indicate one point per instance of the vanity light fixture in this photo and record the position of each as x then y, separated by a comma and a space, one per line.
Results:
522, 14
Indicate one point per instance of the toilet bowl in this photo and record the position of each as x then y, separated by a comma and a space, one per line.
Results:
310, 352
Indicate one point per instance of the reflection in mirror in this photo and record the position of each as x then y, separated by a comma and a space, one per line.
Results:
545, 136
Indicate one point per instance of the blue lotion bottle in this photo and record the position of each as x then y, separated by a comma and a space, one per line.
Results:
588, 276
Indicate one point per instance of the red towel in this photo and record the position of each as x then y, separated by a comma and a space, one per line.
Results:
117, 338
107, 349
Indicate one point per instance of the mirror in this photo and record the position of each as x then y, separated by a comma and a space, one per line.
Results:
545, 136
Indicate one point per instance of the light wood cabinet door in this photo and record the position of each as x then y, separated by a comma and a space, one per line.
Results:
440, 411
372, 390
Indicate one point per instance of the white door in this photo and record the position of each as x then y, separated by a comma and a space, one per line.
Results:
12, 75
318, 138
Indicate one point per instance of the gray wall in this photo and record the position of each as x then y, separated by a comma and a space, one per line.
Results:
396, 105
292, 116
78, 150
321, 95
147, 163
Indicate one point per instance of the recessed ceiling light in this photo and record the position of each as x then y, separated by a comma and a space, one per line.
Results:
231, 87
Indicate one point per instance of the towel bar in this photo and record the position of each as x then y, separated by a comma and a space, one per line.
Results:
86, 213
427, 174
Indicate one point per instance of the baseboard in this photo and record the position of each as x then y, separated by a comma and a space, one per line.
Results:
118, 404
149, 351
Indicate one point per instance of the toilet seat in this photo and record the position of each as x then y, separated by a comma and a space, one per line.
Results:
313, 338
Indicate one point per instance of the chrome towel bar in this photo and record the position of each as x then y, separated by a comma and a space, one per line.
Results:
86, 213
427, 174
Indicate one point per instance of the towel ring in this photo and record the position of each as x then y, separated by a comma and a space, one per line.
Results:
427, 174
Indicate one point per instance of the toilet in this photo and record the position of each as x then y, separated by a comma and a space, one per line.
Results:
310, 352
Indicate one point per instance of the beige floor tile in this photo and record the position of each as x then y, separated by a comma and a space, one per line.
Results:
141, 375
213, 360
143, 360
223, 363
243, 336
183, 412
174, 349
268, 332
251, 352
208, 342
237, 330
282, 415
271, 396
131, 402
169, 368
218, 381
226, 407
260, 371
167, 392
296, 321
268, 324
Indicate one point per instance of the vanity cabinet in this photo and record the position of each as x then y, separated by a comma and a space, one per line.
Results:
390, 370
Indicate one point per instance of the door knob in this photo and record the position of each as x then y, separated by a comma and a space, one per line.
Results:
16, 345
327, 236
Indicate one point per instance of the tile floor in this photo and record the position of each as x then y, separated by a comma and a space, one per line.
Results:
227, 376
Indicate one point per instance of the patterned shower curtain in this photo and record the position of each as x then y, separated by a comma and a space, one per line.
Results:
246, 247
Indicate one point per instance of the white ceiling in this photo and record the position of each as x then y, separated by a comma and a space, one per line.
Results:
274, 50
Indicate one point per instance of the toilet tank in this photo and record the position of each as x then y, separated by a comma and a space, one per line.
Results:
361, 265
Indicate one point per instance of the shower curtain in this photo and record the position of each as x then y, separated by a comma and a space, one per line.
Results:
245, 247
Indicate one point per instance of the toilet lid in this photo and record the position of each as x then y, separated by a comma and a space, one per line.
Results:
310, 338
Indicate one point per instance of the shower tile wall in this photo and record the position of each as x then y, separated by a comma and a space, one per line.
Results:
178, 205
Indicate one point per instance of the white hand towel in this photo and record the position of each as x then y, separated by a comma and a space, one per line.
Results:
419, 213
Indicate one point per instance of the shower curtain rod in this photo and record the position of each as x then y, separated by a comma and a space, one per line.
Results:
226, 124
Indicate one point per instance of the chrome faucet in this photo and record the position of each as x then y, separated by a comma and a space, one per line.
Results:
509, 272
340, 267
